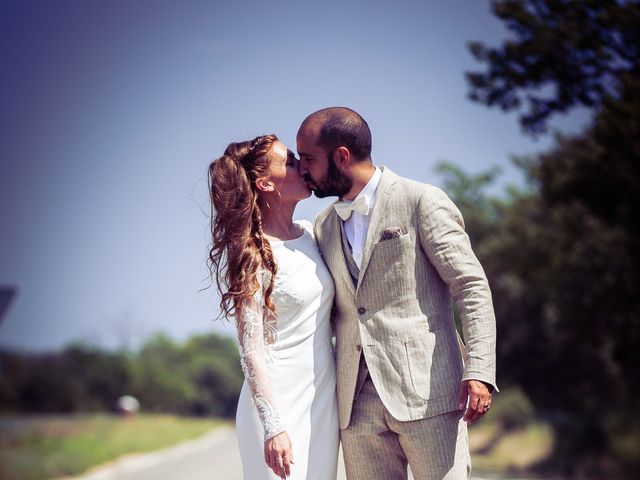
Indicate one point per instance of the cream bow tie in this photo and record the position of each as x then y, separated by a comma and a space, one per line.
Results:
344, 209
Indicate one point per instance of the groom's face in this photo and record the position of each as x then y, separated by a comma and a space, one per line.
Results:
318, 167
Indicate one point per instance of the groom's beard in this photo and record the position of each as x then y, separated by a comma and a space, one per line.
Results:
334, 184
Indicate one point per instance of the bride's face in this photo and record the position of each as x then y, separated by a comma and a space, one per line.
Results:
283, 172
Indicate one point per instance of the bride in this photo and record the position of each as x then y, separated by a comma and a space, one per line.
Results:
274, 283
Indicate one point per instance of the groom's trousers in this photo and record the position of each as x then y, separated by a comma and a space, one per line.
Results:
376, 445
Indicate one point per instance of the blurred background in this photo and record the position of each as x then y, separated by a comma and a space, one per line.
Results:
525, 111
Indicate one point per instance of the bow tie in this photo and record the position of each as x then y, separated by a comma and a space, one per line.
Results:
344, 209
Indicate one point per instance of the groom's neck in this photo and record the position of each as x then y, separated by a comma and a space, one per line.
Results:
360, 173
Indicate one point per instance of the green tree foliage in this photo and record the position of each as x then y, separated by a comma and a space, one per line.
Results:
563, 257
217, 378
199, 377
565, 53
161, 378
563, 285
202, 377
80, 377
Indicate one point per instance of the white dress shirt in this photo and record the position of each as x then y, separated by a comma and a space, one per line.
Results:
356, 226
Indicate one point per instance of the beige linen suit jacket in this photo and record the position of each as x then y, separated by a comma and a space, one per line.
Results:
398, 313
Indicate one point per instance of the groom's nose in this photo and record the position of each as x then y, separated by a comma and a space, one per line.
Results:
302, 167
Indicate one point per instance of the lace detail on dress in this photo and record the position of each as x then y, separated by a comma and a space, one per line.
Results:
288, 302
255, 336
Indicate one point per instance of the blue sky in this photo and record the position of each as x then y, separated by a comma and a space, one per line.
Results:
110, 113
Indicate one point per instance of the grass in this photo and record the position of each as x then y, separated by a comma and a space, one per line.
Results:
510, 438
42, 447
495, 450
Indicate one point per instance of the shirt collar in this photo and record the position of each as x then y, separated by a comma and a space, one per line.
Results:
369, 190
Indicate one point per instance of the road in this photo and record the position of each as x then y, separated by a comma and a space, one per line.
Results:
212, 457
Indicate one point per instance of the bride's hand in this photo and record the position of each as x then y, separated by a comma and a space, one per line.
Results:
278, 454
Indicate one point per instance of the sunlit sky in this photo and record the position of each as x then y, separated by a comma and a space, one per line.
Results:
110, 113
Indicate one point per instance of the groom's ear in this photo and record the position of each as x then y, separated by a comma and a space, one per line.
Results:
342, 156
264, 184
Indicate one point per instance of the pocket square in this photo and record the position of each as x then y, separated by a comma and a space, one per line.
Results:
391, 232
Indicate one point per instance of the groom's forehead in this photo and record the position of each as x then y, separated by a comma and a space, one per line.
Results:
309, 131
306, 142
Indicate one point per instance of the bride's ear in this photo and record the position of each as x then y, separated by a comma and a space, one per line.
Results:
264, 184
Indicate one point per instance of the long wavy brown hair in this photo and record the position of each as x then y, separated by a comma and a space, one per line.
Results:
239, 249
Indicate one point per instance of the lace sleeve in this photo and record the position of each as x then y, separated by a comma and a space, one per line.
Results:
253, 341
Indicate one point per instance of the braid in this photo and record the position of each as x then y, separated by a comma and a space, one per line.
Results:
264, 247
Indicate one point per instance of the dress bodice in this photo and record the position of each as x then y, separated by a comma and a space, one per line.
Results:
303, 295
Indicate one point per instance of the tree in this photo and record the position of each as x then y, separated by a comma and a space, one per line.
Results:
565, 53
81, 378
214, 369
200, 377
564, 261
160, 377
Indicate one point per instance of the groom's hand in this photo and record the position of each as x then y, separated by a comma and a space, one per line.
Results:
479, 400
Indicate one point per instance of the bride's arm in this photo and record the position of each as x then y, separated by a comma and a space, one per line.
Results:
251, 336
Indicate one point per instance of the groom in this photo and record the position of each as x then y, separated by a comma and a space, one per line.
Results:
398, 254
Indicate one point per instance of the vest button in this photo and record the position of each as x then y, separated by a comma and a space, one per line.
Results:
362, 310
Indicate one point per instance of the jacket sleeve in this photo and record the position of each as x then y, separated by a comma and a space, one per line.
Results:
446, 244
254, 338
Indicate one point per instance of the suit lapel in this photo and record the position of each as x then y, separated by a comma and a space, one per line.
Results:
380, 208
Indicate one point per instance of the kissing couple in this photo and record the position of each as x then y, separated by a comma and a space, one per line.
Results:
345, 326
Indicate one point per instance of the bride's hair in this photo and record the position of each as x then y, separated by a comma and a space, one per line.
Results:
239, 249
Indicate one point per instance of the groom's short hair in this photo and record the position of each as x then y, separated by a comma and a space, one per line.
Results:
341, 126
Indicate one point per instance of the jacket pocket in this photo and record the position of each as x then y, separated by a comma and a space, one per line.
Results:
419, 354
395, 242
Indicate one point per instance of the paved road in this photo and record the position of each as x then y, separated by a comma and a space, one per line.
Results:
212, 457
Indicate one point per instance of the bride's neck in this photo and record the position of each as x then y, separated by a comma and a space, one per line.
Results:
278, 224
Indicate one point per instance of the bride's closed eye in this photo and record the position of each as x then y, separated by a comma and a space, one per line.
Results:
292, 161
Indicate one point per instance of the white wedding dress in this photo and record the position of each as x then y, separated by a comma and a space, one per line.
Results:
289, 367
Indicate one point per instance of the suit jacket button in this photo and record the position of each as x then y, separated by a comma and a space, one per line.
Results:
358, 347
362, 310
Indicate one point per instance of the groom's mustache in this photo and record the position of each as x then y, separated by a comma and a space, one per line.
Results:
307, 178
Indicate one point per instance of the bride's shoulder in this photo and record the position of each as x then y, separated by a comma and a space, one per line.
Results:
306, 225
